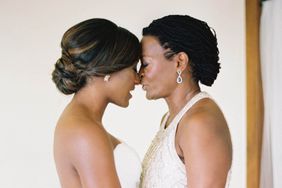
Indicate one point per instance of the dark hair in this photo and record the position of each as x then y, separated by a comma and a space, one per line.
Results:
183, 33
94, 47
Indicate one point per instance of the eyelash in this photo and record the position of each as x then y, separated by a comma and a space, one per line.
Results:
135, 69
143, 65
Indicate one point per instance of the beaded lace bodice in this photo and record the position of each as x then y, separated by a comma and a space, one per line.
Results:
162, 167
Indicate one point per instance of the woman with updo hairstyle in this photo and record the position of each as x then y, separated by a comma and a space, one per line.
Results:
193, 146
98, 65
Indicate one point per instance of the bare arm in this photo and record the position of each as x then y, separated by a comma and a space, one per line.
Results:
206, 147
92, 157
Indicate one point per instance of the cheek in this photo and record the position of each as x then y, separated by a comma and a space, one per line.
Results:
128, 82
152, 73
160, 74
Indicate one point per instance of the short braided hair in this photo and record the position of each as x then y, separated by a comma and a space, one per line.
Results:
183, 33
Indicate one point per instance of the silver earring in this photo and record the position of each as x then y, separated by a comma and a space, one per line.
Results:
179, 78
107, 78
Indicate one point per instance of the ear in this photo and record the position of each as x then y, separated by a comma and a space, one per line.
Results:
182, 61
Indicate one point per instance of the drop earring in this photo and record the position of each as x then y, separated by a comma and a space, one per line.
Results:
179, 78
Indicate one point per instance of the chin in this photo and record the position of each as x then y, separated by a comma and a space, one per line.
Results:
150, 97
124, 104
121, 102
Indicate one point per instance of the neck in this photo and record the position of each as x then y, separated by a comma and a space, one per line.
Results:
92, 100
179, 98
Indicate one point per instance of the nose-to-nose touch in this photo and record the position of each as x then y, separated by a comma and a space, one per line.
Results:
141, 75
137, 79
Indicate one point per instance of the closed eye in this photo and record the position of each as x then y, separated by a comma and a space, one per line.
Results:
135, 69
143, 65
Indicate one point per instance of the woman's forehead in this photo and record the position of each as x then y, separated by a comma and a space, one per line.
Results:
151, 47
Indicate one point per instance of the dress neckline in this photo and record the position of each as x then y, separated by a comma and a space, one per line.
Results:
183, 110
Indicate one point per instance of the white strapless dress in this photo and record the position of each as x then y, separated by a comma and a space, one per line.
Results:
128, 166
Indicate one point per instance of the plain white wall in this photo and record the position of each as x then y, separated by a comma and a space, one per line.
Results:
30, 34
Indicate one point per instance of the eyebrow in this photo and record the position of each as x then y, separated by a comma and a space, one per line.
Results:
143, 59
145, 56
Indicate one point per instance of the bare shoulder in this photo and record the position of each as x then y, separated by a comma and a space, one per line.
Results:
79, 135
83, 146
204, 139
205, 117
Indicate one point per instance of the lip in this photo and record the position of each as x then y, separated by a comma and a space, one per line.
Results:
130, 95
144, 87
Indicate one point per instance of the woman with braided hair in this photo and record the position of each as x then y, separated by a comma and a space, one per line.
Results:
98, 65
193, 146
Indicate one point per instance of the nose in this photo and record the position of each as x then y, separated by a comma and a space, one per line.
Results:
141, 74
141, 70
137, 79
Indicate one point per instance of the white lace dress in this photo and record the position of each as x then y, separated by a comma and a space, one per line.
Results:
128, 166
162, 167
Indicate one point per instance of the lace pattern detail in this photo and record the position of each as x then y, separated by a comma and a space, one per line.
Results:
162, 167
